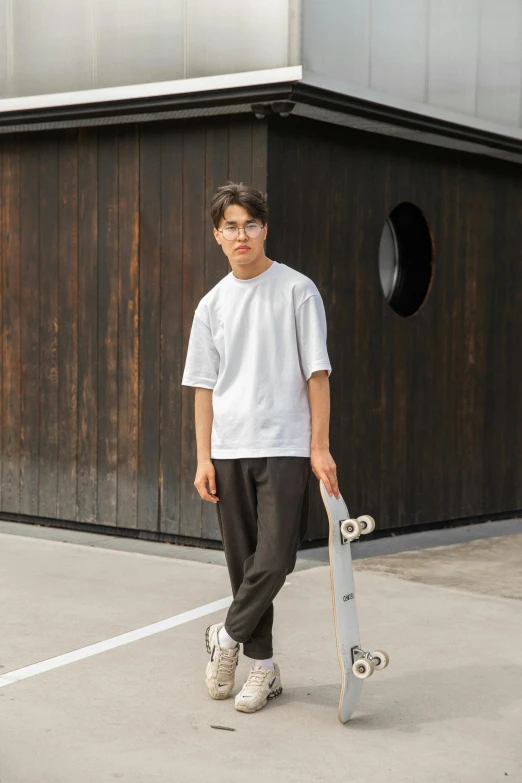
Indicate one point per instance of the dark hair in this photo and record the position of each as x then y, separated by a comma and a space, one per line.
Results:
251, 199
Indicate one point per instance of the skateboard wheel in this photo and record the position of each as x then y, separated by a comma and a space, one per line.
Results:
367, 524
350, 529
380, 659
363, 668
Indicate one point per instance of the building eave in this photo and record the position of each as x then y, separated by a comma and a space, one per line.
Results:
183, 98
312, 96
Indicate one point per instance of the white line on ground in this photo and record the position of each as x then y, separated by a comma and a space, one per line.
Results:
111, 644
116, 641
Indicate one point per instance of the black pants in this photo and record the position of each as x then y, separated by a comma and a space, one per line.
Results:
263, 515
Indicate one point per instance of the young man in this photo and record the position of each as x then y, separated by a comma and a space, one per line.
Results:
257, 356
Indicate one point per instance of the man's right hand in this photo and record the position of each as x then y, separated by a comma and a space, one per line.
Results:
206, 474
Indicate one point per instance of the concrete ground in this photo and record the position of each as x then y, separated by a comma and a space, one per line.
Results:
448, 708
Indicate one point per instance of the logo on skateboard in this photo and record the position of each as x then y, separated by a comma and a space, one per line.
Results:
348, 597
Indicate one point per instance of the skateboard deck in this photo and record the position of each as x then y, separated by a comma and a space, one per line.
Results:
356, 665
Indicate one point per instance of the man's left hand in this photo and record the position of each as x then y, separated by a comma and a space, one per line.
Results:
325, 469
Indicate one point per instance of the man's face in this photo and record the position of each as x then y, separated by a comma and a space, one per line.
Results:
241, 249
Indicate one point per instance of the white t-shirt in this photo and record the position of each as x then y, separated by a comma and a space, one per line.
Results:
256, 343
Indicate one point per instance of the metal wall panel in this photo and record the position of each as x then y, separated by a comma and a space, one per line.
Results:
138, 42
336, 39
454, 30
51, 43
237, 37
460, 55
399, 47
5, 41
499, 88
62, 46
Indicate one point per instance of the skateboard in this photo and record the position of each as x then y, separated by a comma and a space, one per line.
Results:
356, 664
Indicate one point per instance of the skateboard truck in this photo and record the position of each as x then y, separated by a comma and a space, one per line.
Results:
365, 665
351, 529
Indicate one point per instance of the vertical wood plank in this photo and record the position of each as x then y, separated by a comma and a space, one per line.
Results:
171, 454
193, 291
129, 326
29, 324
2, 152
365, 439
415, 333
216, 174
390, 494
240, 151
473, 244
107, 327
150, 318
88, 326
405, 366
453, 401
68, 326
442, 213
10, 337
259, 154
49, 329
429, 372
513, 419
216, 263
501, 418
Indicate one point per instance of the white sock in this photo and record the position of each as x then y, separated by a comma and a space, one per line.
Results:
225, 641
268, 662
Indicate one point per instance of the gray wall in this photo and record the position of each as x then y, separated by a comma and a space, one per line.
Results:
49, 46
462, 55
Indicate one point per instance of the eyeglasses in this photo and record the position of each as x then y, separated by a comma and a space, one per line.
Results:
252, 230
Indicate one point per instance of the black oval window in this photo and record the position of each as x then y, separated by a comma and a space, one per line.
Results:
406, 259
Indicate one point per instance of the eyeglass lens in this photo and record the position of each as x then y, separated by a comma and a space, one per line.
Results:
252, 230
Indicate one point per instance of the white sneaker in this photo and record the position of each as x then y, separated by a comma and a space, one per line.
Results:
262, 684
221, 669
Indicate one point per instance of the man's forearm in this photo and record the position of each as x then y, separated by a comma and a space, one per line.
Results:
204, 414
319, 396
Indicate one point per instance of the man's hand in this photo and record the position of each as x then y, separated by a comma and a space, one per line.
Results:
325, 469
206, 473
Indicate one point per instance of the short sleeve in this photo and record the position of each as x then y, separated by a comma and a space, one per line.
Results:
202, 362
311, 336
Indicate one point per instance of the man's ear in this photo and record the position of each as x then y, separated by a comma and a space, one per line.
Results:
216, 234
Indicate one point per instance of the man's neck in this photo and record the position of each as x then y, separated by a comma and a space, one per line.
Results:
252, 270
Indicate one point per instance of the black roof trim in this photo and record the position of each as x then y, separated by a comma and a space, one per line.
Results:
147, 106
346, 104
297, 92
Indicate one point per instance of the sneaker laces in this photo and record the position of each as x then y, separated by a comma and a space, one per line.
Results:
256, 677
226, 663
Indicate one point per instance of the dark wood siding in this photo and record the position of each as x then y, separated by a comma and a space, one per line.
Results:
106, 250
426, 419
11, 418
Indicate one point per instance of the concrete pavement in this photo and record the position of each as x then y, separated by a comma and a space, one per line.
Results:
448, 707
